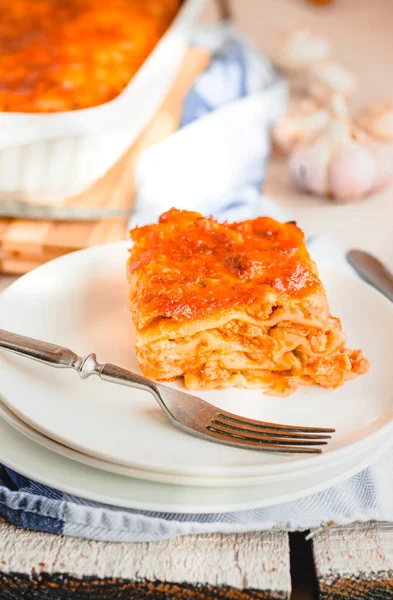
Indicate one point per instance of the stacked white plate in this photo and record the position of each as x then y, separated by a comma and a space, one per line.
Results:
118, 437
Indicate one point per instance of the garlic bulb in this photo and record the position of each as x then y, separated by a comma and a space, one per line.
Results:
327, 78
377, 120
301, 120
340, 162
298, 48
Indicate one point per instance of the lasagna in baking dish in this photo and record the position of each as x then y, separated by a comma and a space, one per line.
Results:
233, 304
58, 55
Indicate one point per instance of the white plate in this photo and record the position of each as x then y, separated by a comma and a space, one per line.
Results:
80, 301
37, 437
42, 465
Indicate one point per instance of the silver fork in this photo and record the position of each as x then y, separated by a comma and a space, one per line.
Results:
186, 411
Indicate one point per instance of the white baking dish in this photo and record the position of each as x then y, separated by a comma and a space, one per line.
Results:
48, 157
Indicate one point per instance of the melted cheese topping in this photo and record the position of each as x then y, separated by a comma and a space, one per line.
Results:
58, 55
188, 267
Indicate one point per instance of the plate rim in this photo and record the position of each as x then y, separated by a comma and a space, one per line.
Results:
105, 498
89, 460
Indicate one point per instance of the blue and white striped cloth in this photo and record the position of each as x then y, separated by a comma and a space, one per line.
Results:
213, 164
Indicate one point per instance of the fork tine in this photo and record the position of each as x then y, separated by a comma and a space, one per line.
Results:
197, 416
279, 433
238, 421
259, 444
266, 438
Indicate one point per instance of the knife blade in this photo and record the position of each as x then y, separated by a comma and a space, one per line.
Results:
13, 208
372, 270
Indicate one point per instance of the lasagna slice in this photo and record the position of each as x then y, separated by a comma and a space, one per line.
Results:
233, 305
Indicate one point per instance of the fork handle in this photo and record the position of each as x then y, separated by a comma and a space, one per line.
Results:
114, 374
50, 354
58, 356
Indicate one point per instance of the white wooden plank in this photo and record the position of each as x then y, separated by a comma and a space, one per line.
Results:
254, 560
355, 560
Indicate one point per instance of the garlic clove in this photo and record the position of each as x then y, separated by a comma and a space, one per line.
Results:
384, 156
377, 119
309, 161
298, 48
308, 165
301, 120
353, 171
328, 77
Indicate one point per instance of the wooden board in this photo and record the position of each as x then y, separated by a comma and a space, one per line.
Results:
25, 244
242, 566
355, 561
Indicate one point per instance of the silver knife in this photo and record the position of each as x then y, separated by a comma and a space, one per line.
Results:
372, 270
13, 208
